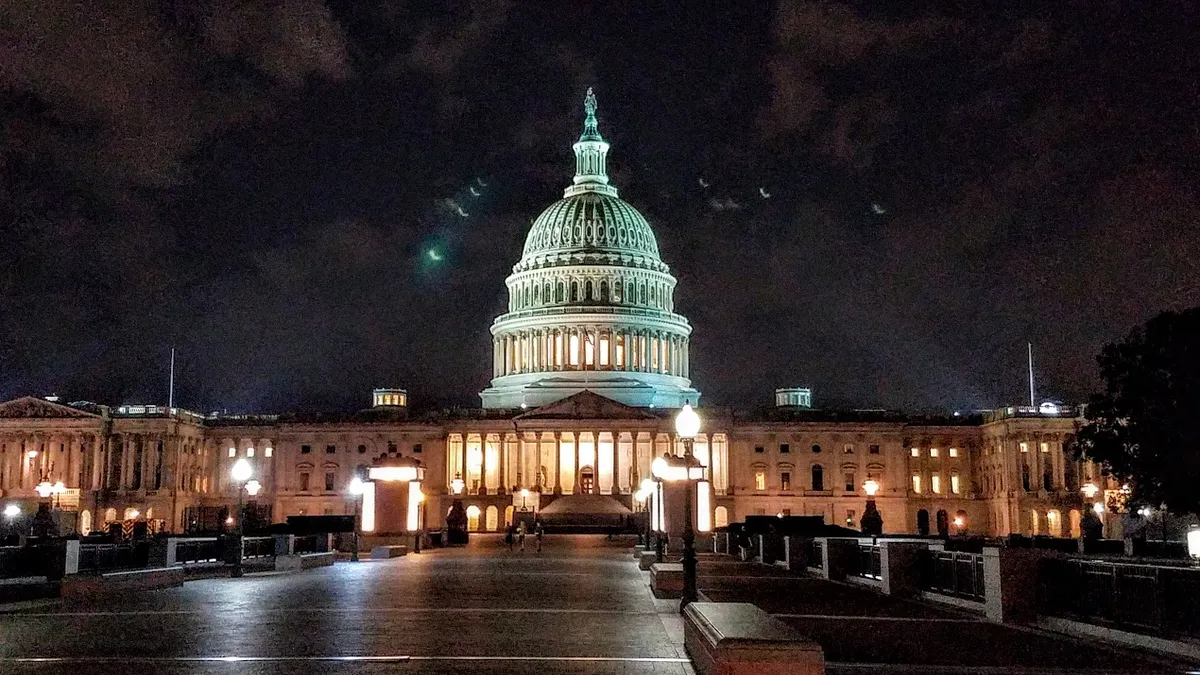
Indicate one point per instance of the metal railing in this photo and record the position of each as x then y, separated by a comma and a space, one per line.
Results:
258, 547
870, 564
20, 561
198, 550
108, 557
305, 544
1143, 598
953, 573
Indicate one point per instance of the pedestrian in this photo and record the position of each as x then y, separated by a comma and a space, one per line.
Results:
538, 533
521, 535
509, 536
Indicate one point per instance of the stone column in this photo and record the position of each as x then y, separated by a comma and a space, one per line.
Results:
462, 462
483, 463
616, 462
558, 462
575, 467
502, 476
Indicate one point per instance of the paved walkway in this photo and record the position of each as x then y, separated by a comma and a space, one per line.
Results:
579, 607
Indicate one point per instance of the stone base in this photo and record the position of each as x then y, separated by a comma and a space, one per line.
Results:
734, 638
667, 579
122, 583
384, 552
646, 559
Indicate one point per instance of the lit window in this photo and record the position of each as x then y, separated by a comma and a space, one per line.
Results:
848, 449
785, 481
760, 480
954, 483
849, 517
329, 479
934, 452
1024, 447
268, 451
603, 350
1045, 447
249, 452
954, 452
233, 452
935, 483
916, 452
916, 482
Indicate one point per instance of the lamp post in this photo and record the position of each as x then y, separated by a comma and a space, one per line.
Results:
687, 425
240, 473
524, 496
872, 521
356, 489
645, 494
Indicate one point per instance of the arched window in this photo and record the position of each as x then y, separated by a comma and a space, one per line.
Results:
816, 448
923, 523
472, 518
558, 294
616, 291
546, 293
525, 301
537, 294
653, 294
85, 521
492, 518
642, 293
587, 290
603, 291
818, 478
574, 291
630, 293
1025, 478
943, 523
721, 517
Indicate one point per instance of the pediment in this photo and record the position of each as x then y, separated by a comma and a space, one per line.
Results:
587, 405
31, 407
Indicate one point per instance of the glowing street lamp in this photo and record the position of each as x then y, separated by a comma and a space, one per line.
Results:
687, 425
524, 496
240, 473
872, 521
457, 485
1089, 490
357, 487
12, 511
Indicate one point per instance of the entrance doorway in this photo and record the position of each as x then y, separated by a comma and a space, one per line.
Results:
587, 479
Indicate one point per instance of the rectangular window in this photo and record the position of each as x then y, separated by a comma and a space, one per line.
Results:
954, 483
305, 449
304, 481
784, 448
760, 480
849, 517
329, 478
249, 452
935, 483
603, 350
331, 449
620, 356
1024, 447
759, 449
848, 449
916, 452
233, 452
850, 486
916, 483
874, 450
934, 452
1045, 447
416, 448
785, 481
268, 451
954, 452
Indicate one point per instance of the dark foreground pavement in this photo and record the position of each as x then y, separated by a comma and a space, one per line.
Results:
579, 607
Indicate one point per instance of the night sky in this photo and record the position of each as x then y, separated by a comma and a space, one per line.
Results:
260, 185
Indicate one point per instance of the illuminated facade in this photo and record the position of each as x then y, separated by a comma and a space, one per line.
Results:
590, 364
591, 303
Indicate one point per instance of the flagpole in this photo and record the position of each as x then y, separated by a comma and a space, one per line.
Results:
171, 391
1032, 404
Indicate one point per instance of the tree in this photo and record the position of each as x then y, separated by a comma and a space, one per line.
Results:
1145, 427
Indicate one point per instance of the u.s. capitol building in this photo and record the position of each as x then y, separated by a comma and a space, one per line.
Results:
590, 364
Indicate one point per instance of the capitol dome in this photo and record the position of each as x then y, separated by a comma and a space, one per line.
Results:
591, 303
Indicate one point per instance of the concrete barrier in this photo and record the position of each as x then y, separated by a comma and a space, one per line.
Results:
667, 578
310, 560
735, 638
646, 559
384, 552
152, 579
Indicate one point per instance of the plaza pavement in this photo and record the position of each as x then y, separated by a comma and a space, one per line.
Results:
581, 606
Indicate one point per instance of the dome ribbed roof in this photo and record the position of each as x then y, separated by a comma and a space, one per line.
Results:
591, 221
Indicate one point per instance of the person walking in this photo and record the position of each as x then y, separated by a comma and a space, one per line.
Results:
538, 533
509, 535
521, 535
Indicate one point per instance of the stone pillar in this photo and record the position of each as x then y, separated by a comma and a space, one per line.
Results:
575, 467
1010, 594
462, 461
558, 462
483, 463
838, 558
502, 478
900, 567
616, 462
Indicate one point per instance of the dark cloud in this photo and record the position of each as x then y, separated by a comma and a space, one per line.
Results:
260, 184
